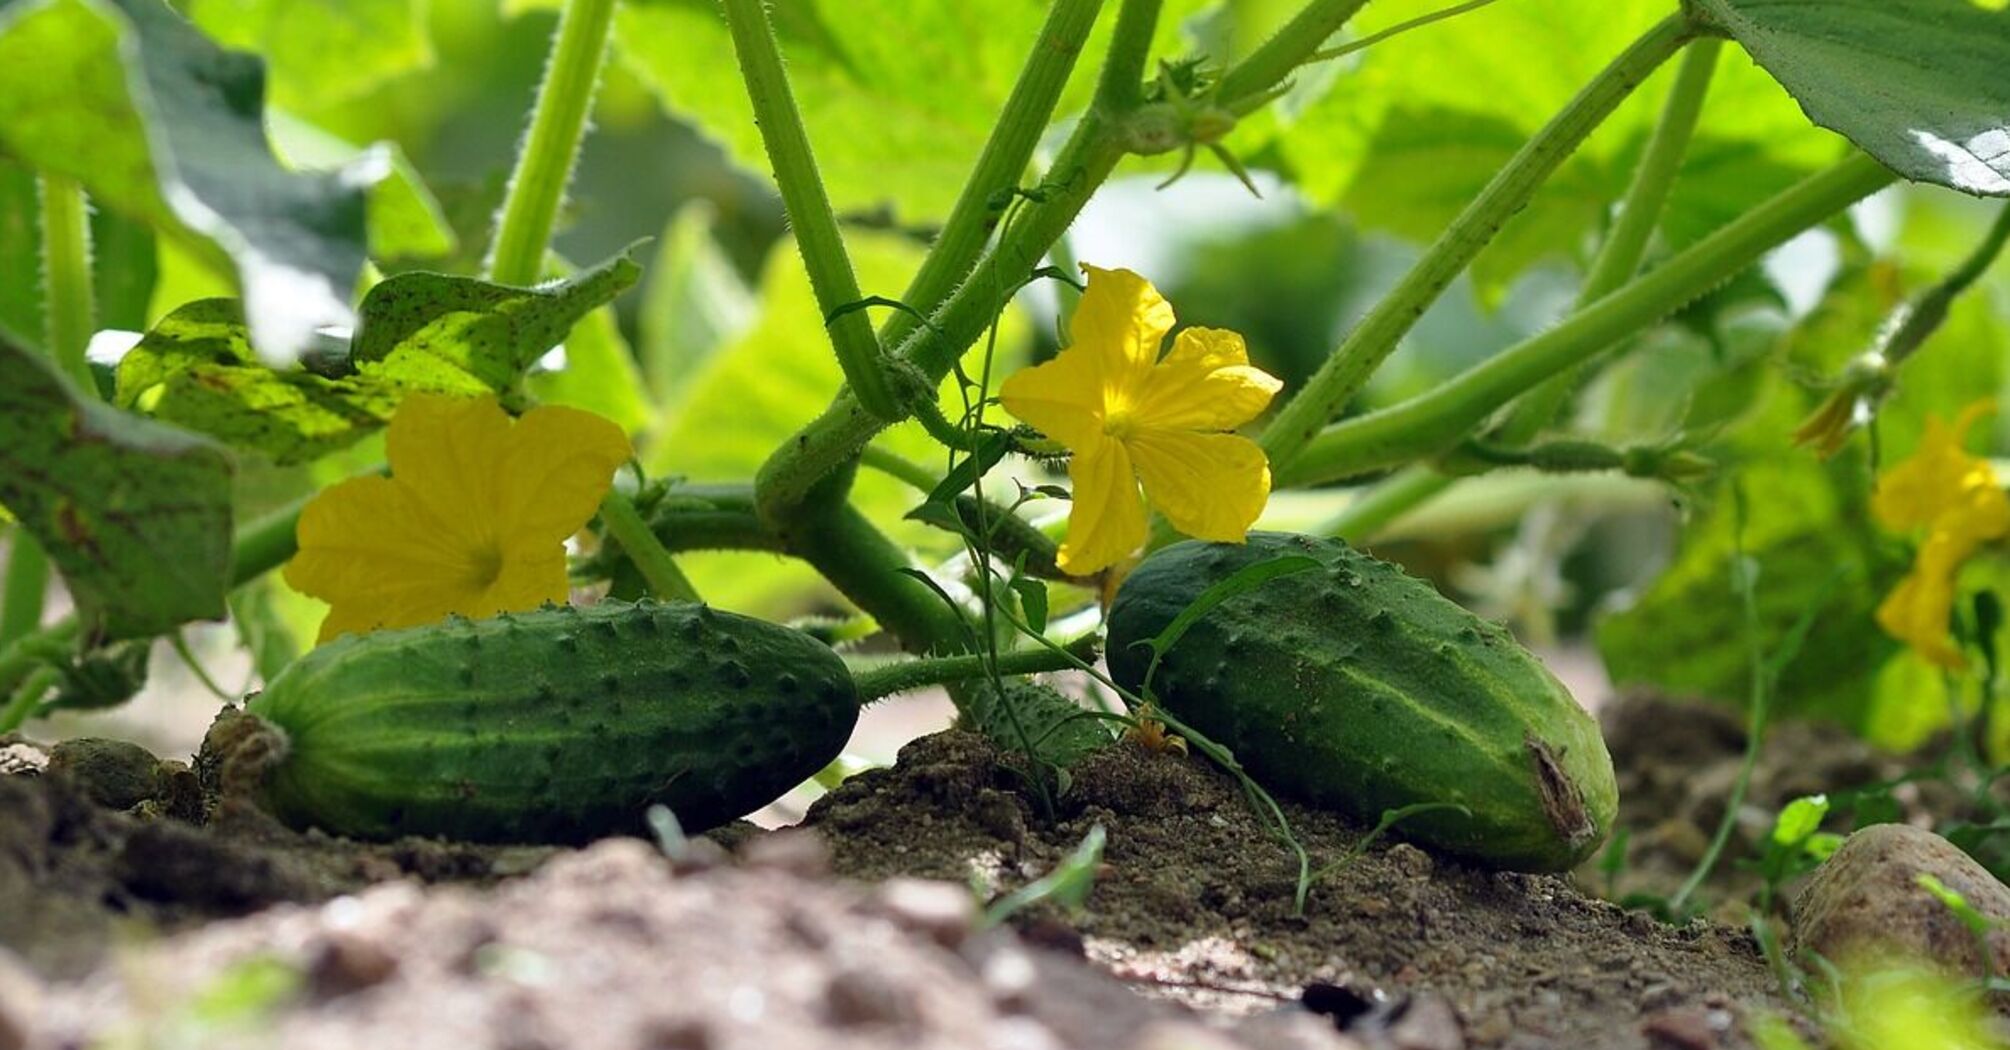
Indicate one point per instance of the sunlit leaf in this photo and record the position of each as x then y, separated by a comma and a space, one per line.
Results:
135, 513
420, 331
321, 51
153, 119
598, 373
405, 220
693, 304
873, 79
1918, 84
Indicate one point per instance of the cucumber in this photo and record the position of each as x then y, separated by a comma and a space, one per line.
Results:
559, 725
1359, 688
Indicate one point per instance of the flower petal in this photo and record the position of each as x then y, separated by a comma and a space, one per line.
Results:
1206, 383
1107, 522
449, 453
1210, 486
370, 551
554, 470
1062, 398
1121, 320
1932, 480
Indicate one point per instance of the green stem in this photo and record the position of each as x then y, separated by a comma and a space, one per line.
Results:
625, 524
1625, 247
27, 583
1007, 155
27, 697
893, 465
809, 208
1618, 260
1121, 85
557, 126
1399, 29
899, 677
1433, 422
66, 275
1294, 44
1370, 343
68, 305
835, 437
25, 660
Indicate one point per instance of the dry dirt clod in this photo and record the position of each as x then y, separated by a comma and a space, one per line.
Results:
113, 773
798, 852
858, 997
1867, 898
345, 962
1681, 1029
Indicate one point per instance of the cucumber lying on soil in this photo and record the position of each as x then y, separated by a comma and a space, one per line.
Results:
557, 725
1357, 687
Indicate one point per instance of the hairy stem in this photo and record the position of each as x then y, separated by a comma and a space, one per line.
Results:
1370, 343
1433, 422
1007, 155
1617, 261
1121, 85
809, 207
1294, 44
625, 524
66, 277
899, 677
557, 126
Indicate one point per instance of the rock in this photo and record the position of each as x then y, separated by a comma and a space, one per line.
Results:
941, 911
1867, 899
858, 997
1687, 1028
1429, 1023
798, 852
113, 773
344, 961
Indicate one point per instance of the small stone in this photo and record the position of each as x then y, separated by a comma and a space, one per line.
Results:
345, 962
1010, 975
1867, 899
21, 758
1427, 1023
796, 851
941, 911
860, 997
113, 773
1410, 860
1683, 1029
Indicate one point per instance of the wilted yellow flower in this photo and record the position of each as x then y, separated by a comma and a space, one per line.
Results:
1954, 497
1128, 417
473, 519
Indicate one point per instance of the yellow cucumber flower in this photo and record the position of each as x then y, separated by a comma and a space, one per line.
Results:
1129, 416
1953, 496
473, 519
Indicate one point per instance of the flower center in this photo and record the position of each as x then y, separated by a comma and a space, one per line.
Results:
1119, 422
485, 565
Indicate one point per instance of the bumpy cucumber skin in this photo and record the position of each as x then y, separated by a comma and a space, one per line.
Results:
559, 725
1357, 687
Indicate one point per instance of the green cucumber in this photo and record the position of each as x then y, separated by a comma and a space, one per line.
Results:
557, 725
1359, 688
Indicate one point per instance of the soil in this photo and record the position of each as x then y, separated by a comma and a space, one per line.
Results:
124, 916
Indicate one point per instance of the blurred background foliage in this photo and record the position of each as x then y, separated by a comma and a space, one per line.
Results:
720, 353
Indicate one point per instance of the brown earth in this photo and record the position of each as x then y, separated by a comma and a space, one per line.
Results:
142, 921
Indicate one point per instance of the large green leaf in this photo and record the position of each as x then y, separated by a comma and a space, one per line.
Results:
134, 512
321, 51
1919, 84
158, 122
420, 331
898, 96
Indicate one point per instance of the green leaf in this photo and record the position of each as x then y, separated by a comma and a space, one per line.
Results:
405, 220
432, 331
1919, 84
869, 77
20, 250
196, 369
693, 304
1801, 818
156, 121
135, 513
321, 51
420, 331
599, 374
